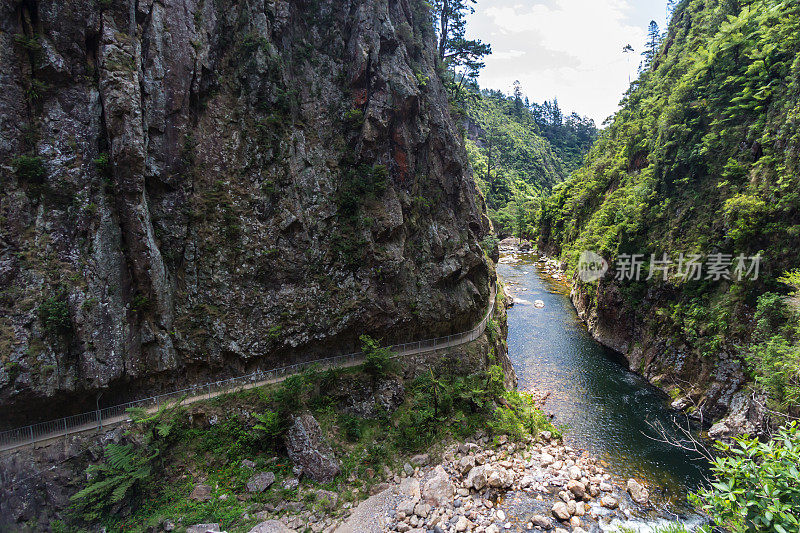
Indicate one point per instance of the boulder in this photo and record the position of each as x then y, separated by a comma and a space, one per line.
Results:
260, 482
747, 414
380, 487
577, 488
572, 507
272, 526
469, 447
541, 521
410, 488
499, 478
201, 493
438, 490
327, 499
526, 481
465, 464
406, 507
561, 511
420, 460
638, 493
290, 483
477, 477
609, 502
422, 510
204, 528
307, 448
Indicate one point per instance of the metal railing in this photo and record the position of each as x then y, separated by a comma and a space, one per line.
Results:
27, 435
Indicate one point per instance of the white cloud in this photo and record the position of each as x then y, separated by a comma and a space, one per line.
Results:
570, 49
507, 54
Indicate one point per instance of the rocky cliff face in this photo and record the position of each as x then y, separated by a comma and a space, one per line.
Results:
201, 187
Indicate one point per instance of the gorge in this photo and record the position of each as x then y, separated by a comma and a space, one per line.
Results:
205, 203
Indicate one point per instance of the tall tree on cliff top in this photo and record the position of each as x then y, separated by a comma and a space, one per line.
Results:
462, 56
651, 48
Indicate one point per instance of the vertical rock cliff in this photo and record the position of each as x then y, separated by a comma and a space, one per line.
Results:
202, 187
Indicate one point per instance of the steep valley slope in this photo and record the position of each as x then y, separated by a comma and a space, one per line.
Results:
701, 159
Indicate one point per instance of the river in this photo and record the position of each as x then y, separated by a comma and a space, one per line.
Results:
606, 409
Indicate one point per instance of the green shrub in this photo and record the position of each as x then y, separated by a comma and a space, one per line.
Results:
103, 164
489, 244
791, 278
757, 487
360, 183
351, 426
271, 426
125, 469
231, 438
140, 303
378, 361
770, 315
291, 395
775, 363
31, 44
30, 169
54, 314
353, 118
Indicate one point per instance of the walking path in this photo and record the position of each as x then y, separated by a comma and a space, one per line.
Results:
96, 420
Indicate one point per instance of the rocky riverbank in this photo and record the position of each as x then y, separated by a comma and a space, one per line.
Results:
485, 486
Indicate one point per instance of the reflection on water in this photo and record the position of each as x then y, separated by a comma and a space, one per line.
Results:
608, 410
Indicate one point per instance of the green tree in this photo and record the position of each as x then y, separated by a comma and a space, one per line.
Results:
462, 57
651, 47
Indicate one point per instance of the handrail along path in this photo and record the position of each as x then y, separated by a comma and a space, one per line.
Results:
117, 414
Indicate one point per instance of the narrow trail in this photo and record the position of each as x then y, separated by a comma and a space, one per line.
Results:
39, 435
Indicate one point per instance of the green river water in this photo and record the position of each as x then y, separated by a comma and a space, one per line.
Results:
607, 410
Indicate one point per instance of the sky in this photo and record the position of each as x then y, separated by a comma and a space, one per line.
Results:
569, 49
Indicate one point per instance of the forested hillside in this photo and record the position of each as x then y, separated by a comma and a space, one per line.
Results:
701, 159
519, 150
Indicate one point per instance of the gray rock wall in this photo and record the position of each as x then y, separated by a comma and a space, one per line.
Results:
196, 188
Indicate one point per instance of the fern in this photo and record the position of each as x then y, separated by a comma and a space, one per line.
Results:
124, 470
127, 468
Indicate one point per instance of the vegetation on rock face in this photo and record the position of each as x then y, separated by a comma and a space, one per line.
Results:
29, 168
54, 314
702, 158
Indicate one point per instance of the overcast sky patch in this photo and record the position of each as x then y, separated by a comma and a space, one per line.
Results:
570, 49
